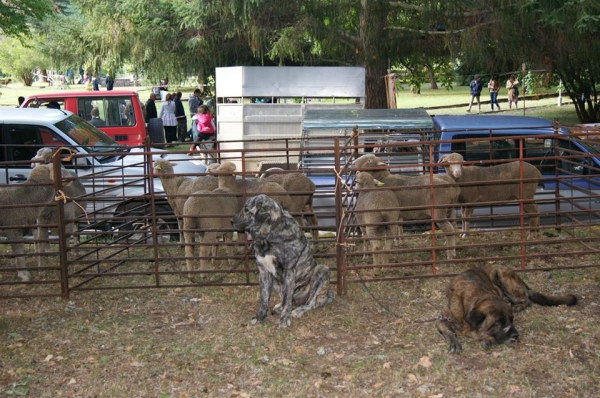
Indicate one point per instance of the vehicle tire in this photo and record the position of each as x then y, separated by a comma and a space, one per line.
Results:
136, 228
156, 131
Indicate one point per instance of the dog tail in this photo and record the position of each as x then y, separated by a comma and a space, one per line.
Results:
549, 301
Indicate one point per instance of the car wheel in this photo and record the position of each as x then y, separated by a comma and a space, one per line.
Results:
137, 229
156, 131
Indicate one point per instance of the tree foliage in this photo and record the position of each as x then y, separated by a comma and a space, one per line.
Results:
16, 17
20, 58
178, 38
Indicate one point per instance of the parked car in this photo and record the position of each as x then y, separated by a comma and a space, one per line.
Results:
120, 113
115, 175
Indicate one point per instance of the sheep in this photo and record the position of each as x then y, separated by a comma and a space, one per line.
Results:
14, 222
377, 215
415, 200
207, 214
256, 186
498, 183
301, 190
73, 189
179, 188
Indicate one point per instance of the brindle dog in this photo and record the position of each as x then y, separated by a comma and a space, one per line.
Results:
481, 302
284, 260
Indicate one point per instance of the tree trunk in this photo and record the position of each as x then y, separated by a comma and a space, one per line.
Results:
432, 83
373, 49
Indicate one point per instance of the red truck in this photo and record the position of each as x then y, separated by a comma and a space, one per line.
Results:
119, 113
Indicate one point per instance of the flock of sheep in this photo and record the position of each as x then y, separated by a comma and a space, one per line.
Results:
204, 205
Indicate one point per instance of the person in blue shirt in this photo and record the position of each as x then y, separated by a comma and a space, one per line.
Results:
476, 86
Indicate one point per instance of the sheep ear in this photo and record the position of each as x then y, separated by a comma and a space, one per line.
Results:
444, 159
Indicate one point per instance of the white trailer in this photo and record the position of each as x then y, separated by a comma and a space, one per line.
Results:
256, 102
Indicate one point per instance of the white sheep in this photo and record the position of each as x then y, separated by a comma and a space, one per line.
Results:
301, 190
418, 195
73, 190
179, 188
206, 214
377, 215
23, 205
256, 186
499, 183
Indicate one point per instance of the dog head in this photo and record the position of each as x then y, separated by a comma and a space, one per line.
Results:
492, 318
257, 216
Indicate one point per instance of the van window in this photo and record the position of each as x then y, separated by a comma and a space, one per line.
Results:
114, 111
539, 152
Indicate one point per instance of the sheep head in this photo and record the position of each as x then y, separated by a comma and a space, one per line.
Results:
225, 168
366, 180
43, 155
163, 166
453, 164
368, 161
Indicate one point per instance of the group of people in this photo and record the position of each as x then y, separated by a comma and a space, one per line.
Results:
512, 87
174, 118
93, 83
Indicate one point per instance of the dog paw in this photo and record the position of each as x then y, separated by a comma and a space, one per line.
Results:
488, 343
284, 323
454, 348
255, 321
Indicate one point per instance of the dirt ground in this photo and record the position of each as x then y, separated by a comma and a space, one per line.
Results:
379, 340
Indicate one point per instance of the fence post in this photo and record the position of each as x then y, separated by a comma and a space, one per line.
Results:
340, 247
63, 244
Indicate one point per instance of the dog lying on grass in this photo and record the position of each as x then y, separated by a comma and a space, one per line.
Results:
481, 302
284, 260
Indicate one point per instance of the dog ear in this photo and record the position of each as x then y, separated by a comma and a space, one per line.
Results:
474, 318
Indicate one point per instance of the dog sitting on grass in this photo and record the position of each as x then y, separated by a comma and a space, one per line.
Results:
284, 260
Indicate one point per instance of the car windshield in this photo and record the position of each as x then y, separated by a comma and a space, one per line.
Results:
88, 136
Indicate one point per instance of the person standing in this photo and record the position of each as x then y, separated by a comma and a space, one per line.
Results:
205, 126
194, 101
494, 86
181, 119
167, 114
20, 100
96, 82
110, 82
151, 108
512, 85
475, 88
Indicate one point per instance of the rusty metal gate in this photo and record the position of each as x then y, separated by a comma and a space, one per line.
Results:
125, 242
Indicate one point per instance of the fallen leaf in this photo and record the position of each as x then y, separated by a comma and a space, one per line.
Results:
412, 378
513, 389
425, 362
378, 386
387, 365
72, 381
285, 362
48, 358
347, 377
436, 396
318, 383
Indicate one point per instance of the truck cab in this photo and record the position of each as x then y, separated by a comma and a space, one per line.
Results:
120, 113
